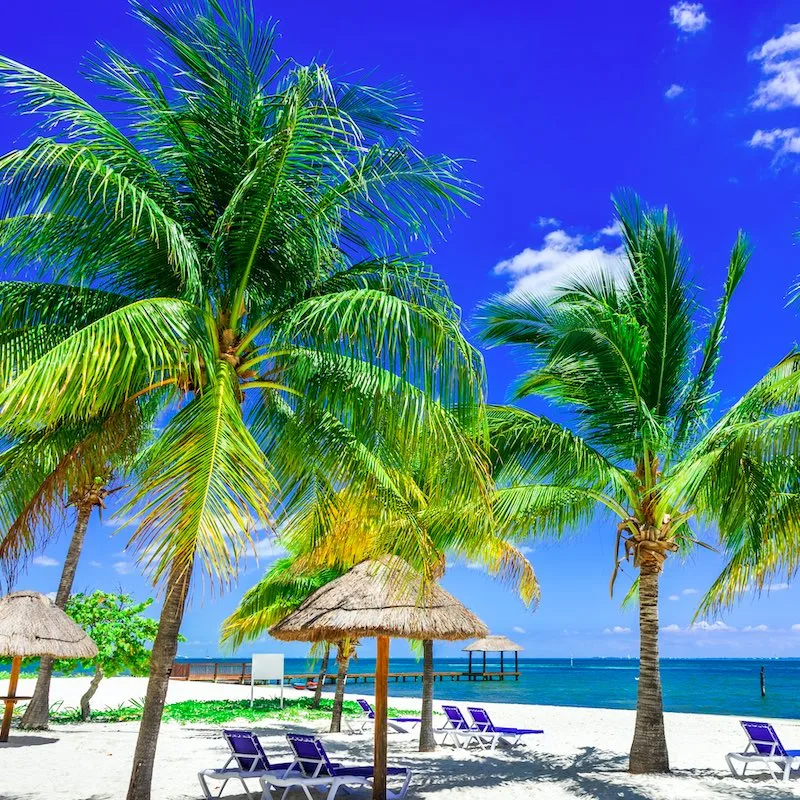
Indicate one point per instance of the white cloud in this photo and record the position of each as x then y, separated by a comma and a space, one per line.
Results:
689, 17
548, 222
676, 90
517, 629
705, 625
51, 596
561, 259
780, 68
702, 626
525, 549
123, 567
474, 565
45, 561
796, 628
674, 597
689, 591
617, 629
755, 628
95, 564
781, 141
612, 229
778, 587
268, 547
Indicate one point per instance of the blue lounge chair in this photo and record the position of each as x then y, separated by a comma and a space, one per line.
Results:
312, 769
483, 723
460, 733
250, 762
399, 724
764, 746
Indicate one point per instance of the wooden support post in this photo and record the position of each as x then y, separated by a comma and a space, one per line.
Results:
484, 665
16, 663
516, 665
381, 713
763, 682
469, 669
502, 677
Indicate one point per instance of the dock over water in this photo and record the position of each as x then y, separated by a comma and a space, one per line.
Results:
239, 672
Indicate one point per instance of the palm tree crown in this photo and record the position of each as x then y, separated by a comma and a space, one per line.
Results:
625, 361
244, 245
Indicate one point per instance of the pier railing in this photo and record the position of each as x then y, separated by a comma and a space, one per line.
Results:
239, 672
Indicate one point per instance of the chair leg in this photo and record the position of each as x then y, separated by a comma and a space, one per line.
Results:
204, 786
331, 792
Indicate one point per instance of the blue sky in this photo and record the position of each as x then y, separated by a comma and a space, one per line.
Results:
556, 106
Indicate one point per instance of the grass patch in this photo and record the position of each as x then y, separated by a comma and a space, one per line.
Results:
216, 712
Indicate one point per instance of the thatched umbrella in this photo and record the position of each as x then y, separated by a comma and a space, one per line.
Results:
384, 598
495, 643
32, 625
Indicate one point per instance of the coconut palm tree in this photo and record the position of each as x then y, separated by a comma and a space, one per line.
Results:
244, 240
279, 592
43, 474
625, 361
341, 527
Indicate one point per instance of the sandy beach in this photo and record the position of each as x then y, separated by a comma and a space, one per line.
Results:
582, 754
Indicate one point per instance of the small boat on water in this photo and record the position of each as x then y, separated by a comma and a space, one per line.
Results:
309, 685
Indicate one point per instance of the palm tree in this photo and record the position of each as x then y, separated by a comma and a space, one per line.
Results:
240, 242
623, 360
279, 592
41, 475
428, 520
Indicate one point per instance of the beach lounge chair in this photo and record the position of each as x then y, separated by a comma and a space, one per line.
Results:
483, 723
399, 724
457, 731
312, 769
764, 746
250, 762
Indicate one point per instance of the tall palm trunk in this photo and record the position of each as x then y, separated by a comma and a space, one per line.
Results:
86, 699
162, 658
427, 743
342, 661
649, 748
38, 710
323, 671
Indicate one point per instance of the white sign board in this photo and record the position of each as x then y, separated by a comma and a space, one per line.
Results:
266, 667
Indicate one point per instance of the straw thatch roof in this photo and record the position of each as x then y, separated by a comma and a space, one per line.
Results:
383, 597
493, 644
32, 625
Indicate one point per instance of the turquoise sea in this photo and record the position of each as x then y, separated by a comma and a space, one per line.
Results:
710, 686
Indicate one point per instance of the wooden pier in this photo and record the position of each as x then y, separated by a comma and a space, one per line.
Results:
239, 672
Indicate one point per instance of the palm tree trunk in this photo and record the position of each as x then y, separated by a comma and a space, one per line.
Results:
86, 710
38, 710
162, 658
323, 671
427, 743
649, 748
342, 661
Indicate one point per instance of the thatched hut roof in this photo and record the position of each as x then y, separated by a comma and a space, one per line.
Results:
493, 644
382, 597
32, 625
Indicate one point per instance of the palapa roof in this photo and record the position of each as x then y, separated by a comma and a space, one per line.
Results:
32, 625
493, 644
382, 597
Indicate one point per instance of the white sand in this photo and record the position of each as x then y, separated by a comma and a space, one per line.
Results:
583, 754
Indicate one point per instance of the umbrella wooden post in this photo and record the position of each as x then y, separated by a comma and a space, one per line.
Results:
381, 714
16, 663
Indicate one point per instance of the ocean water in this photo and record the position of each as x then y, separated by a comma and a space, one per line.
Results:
708, 686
